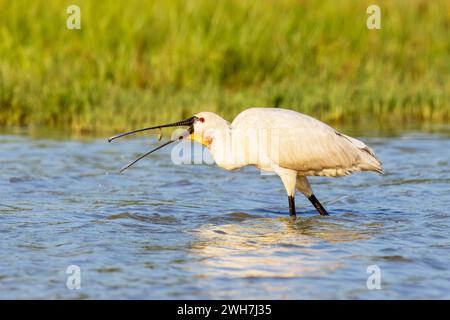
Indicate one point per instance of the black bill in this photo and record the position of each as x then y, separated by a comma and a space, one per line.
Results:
188, 122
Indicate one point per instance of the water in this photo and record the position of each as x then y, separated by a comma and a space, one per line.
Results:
167, 231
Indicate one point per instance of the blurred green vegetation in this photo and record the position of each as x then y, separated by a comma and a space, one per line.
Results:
136, 63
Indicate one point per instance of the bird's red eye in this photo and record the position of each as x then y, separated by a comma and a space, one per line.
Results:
202, 119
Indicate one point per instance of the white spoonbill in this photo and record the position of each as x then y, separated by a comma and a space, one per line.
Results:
289, 143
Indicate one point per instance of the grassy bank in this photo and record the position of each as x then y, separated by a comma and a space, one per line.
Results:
136, 62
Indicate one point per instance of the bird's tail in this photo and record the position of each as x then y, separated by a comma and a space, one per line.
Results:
369, 161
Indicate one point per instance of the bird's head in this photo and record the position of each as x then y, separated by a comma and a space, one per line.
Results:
206, 126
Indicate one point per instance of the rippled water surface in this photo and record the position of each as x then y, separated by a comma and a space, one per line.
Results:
165, 231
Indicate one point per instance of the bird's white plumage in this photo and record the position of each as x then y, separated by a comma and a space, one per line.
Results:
309, 146
289, 143
304, 144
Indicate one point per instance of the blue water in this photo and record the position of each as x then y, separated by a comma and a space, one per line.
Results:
165, 231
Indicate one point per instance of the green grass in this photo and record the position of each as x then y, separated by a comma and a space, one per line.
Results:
137, 62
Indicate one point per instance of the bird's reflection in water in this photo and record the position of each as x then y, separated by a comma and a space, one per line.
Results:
272, 248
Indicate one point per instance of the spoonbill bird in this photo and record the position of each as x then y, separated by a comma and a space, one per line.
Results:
288, 143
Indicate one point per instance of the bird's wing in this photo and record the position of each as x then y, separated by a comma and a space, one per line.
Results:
307, 145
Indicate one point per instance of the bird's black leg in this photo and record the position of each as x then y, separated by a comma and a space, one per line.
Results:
291, 206
318, 205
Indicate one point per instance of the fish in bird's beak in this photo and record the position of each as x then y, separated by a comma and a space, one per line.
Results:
188, 122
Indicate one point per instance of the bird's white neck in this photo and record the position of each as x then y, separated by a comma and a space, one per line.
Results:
226, 150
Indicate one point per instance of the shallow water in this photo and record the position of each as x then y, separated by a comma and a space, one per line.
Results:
161, 230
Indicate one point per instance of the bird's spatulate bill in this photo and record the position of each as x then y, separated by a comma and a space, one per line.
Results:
188, 122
